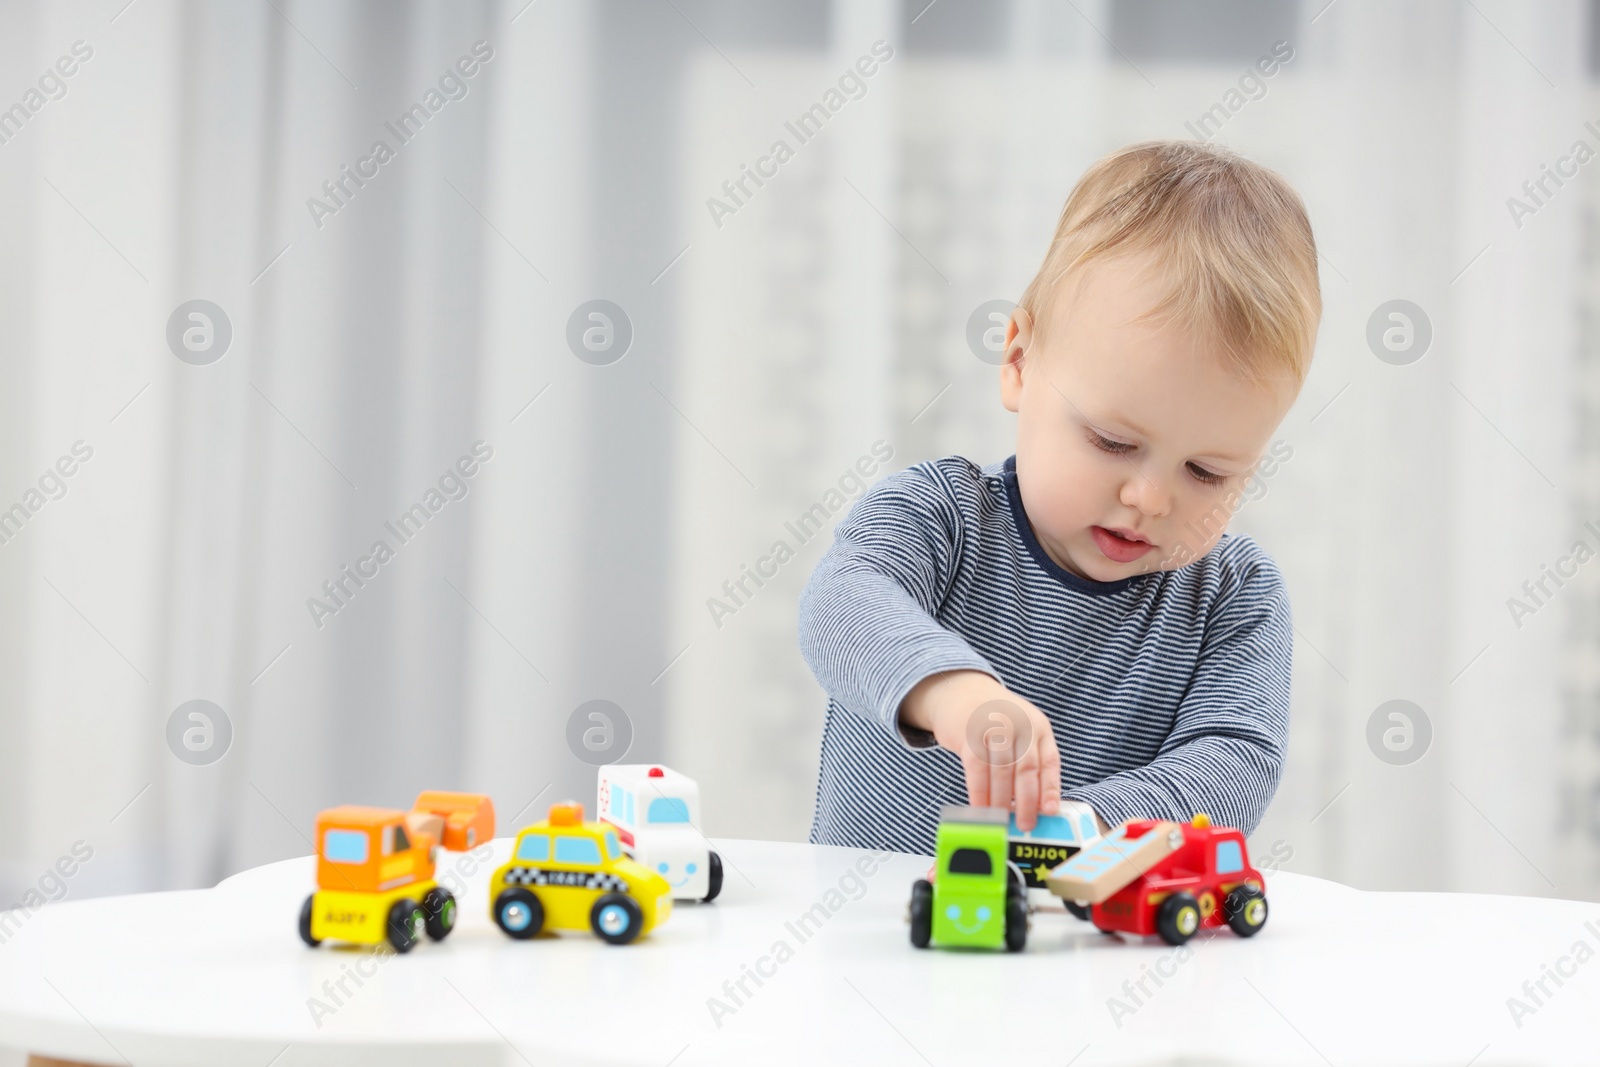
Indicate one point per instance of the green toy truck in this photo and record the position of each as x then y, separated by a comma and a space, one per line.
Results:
976, 898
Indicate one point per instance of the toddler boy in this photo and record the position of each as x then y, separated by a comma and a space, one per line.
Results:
1073, 622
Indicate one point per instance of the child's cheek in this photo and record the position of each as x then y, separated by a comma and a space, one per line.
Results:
1072, 488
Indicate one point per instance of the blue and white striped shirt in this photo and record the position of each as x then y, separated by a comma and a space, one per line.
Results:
1168, 692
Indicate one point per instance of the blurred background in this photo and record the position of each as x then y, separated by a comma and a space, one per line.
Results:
242, 345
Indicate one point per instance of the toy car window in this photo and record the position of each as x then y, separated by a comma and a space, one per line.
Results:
1048, 827
970, 861
344, 846
1057, 828
1230, 857
1089, 828
401, 841
613, 849
573, 849
535, 848
667, 809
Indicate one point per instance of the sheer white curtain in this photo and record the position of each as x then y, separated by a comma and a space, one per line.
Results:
371, 349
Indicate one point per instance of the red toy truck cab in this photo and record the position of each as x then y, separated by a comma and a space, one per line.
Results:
1150, 876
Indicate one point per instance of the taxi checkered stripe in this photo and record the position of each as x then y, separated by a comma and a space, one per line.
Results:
581, 879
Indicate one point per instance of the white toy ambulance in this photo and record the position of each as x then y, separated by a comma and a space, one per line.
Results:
656, 812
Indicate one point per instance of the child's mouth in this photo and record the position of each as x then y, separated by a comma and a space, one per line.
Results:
1117, 547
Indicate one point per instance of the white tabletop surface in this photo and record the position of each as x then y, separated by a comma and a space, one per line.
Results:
1338, 976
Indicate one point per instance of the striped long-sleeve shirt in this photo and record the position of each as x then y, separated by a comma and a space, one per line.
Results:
1168, 692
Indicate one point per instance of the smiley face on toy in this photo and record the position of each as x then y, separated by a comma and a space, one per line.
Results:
981, 916
689, 870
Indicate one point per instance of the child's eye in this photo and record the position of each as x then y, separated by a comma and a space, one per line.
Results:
1105, 444
1206, 477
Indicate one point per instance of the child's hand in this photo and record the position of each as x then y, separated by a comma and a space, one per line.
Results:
1006, 745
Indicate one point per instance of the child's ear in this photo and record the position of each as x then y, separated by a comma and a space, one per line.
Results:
1019, 337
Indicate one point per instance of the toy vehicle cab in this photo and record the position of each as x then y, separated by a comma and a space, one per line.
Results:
1152, 876
976, 898
1053, 840
375, 870
568, 874
656, 813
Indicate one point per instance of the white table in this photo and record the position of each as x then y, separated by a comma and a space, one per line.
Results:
1338, 976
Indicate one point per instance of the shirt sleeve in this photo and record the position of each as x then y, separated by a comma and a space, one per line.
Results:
868, 629
1226, 751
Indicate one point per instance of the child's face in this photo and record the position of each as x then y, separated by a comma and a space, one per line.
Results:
1134, 441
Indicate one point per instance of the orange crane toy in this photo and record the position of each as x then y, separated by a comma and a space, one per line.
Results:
375, 870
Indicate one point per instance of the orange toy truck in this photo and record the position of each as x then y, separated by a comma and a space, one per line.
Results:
1151, 876
375, 869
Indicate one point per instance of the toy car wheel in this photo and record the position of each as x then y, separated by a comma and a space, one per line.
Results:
1246, 909
1078, 911
1178, 918
439, 905
616, 918
921, 913
405, 925
519, 913
1016, 922
305, 922
713, 878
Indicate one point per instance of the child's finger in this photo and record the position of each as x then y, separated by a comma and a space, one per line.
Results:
1001, 772
977, 778
1005, 742
1049, 771
1027, 789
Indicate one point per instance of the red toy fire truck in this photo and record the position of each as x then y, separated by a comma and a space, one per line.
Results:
1150, 876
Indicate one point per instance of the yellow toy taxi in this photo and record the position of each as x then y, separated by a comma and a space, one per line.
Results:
567, 874
375, 869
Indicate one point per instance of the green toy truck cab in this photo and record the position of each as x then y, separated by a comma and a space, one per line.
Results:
976, 899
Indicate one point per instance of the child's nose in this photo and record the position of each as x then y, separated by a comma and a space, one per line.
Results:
1146, 496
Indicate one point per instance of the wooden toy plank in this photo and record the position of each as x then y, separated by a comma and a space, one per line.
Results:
1103, 868
426, 822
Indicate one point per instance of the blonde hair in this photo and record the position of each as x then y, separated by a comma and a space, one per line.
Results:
1231, 239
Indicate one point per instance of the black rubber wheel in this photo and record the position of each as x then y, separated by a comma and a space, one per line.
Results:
1078, 911
405, 924
921, 912
439, 907
1016, 922
616, 918
1246, 909
519, 913
1178, 918
1016, 887
714, 879
305, 922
